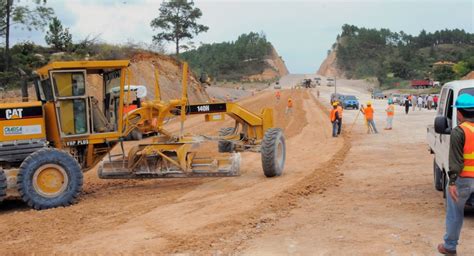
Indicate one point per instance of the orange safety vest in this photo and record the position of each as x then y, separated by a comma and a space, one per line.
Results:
339, 110
391, 110
369, 113
468, 170
333, 115
290, 103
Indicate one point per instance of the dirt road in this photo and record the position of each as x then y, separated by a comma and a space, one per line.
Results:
186, 215
386, 203
356, 194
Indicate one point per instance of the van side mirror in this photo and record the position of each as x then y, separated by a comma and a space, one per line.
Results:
441, 125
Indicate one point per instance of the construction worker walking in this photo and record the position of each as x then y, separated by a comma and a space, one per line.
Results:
369, 117
289, 106
277, 95
334, 117
390, 113
461, 172
339, 112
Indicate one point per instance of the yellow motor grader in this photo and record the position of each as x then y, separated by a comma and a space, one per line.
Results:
45, 146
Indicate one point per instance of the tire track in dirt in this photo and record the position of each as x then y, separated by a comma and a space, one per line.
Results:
105, 205
229, 237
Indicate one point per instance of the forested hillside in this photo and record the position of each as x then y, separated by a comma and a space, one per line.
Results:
394, 56
232, 60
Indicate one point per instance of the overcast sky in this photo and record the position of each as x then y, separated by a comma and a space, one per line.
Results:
301, 31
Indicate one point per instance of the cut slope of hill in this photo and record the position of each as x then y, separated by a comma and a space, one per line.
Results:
329, 66
275, 68
394, 56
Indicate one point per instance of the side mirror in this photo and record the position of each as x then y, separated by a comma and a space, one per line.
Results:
441, 125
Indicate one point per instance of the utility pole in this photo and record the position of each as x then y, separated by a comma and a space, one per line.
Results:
335, 86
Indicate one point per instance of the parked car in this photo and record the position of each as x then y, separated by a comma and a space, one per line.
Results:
330, 82
396, 98
277, 86
350, 101
317, 80
378, 96
439, 134
337, 97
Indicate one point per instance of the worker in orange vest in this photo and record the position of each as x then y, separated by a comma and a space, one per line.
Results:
339, 112
461, 172
289, 106
369, 117
277, 95
334, 117
390, 113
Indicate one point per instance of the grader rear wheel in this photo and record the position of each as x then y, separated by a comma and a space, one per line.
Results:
49, 178
3, 185
273, 152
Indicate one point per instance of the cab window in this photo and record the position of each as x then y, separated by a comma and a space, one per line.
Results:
67, 84
70, 93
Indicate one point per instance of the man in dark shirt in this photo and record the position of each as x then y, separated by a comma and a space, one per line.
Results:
461, 173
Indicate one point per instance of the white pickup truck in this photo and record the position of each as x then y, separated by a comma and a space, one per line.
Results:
439, 133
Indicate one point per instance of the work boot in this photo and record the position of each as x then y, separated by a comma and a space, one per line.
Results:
443, 250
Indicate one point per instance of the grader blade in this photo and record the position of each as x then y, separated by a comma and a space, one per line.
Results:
224, 165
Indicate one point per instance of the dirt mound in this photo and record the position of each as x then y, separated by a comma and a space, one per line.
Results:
170, 73
329, 66
276, 68
469, 76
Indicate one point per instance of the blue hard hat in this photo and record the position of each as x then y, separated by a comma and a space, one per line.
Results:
465, 100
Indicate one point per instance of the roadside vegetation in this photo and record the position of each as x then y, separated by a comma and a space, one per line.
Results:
395, 57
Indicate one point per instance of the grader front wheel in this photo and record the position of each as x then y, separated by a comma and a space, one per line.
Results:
49, 178
273, 152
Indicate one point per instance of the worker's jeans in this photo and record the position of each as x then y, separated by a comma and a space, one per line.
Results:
455, 211
371, 125
335, 127
389, 122
339, 126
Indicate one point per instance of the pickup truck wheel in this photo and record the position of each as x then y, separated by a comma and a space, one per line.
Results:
438, 176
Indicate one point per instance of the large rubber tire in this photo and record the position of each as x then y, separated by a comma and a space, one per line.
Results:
3, 185
273, 152
225, 146
438, 176
32, 169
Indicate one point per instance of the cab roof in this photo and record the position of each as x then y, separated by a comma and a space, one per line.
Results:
92, 64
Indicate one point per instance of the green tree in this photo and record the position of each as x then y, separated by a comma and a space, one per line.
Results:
444, 74
177, 22
461, 68
57, 37
17, 13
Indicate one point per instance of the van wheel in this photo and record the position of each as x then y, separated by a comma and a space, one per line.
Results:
437, 175
49, 178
